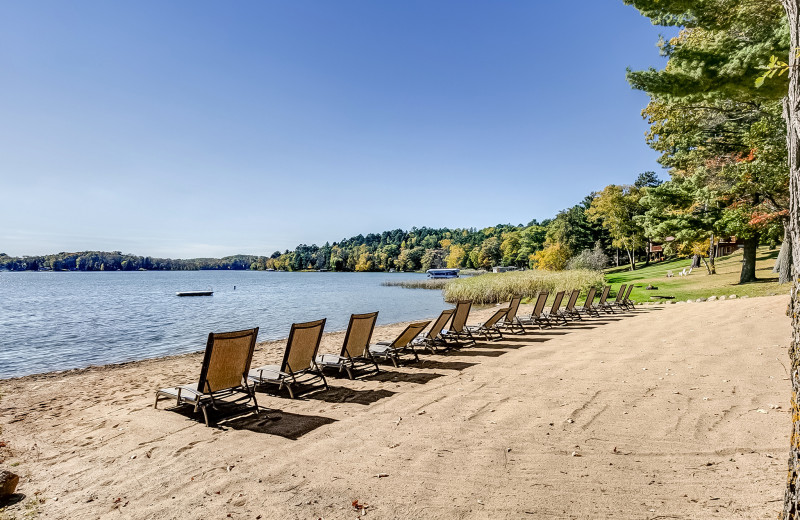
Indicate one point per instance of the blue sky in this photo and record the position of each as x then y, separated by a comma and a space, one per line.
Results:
187, 129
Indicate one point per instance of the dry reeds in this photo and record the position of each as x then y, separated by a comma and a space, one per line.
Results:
501, 287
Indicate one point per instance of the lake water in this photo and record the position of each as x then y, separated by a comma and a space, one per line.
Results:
62, 320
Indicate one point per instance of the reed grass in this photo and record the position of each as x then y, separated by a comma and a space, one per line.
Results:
427, 283
501, 287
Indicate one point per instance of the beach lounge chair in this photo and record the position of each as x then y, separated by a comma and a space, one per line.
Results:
555, 314
223, 373
392, 350
299, 360
355, 352
538, 317
458, 335
511, 321
603, 305
570, 311
620, 296
626, 302
588, 305
490, 329
434, 338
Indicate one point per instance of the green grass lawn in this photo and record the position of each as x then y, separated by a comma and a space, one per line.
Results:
699, 284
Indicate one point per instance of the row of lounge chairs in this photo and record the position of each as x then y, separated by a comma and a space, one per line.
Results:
226, 369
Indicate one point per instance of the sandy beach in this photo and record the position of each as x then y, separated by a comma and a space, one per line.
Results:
674, 411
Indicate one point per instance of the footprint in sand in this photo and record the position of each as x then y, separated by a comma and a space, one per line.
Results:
187, 447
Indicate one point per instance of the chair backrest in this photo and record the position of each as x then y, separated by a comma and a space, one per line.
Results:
557, 302
628, 292
302, 346
460, 316
411, 332
513, 307
538, 307
621, 293
497, 316
439, 324
227, 359
589, 298
604, 295
572, 299
359, 332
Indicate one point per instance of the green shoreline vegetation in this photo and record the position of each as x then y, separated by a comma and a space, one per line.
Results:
699, 284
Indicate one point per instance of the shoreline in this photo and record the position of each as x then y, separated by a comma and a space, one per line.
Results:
671, 410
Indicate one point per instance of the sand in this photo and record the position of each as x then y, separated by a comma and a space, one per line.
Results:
674, 411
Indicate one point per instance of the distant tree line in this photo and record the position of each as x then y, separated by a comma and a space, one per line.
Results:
117, 261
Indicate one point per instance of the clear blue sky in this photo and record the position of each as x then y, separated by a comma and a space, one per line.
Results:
186, 129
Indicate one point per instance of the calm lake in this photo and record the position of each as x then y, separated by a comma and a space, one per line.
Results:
62, 320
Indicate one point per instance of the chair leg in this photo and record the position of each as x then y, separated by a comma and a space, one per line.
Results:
252, 392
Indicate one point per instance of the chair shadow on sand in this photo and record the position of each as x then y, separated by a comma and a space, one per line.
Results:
431, 364
513, 340
269, 421
478, 351
341, 394
419, 378
275, 422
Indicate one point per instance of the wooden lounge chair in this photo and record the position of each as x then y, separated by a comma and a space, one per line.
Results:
434, 338
392, 350
490, 329
588, 307
355, 352
555, 314
626, 302
458, 335
299, 360
511, 321
570, 311
620, 296
224, 373
538, 317
603, 305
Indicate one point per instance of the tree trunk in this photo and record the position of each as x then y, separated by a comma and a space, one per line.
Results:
748, 273
712, 253
617, 257
647, 253
695, 261
708, 266
631, 258
785, 272
783, 264
791, 113
784, 248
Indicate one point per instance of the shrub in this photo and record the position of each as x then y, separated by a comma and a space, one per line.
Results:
594, 259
